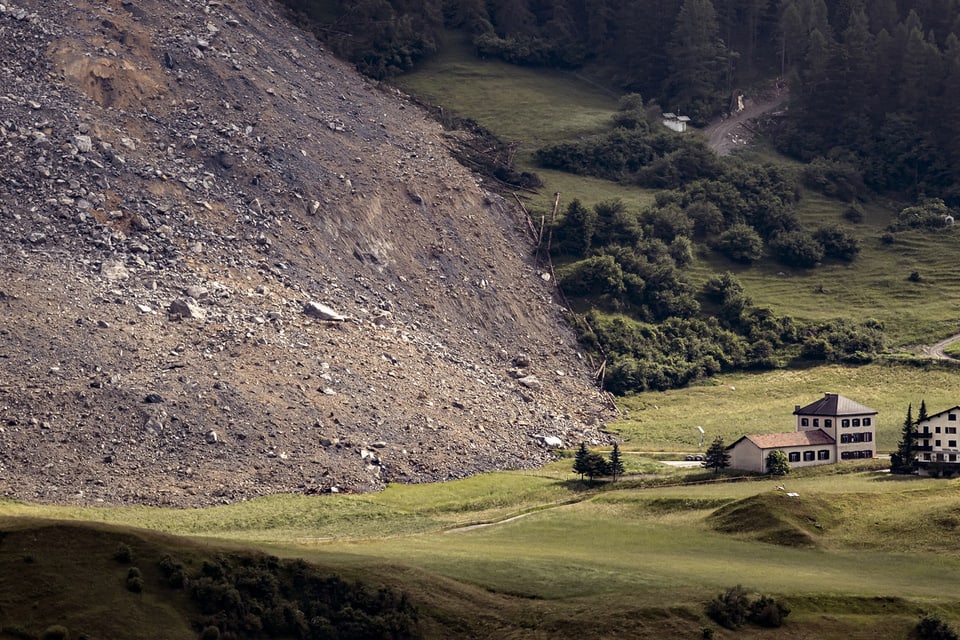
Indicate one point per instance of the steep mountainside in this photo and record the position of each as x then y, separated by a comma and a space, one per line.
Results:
181, 180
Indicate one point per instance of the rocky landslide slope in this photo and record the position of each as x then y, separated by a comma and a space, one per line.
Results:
230, 266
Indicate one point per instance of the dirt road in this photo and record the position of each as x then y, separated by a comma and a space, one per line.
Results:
726, 134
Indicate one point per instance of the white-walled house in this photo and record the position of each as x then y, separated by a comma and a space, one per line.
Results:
937, 442
829, 430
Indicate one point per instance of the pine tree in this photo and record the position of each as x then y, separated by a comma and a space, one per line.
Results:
716, 457
615, 466
580, 461
904, 460
596, 465
697, 58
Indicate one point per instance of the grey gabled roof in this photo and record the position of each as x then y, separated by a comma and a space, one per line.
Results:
955, 408
832, 404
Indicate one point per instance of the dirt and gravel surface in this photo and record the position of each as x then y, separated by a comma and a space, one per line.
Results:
736, 130
231, 267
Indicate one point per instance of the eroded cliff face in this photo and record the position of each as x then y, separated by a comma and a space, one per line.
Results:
181, 180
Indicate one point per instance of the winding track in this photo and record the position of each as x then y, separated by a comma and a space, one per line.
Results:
937, 350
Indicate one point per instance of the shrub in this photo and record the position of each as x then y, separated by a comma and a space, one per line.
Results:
767, 612
55, 632
600, 275
731, 608
797, 249
837, 243
930, 214
123, 554
914, 276
134, 580
834, 178
854, 213
740, 243
210, 633
173, 571
931, 627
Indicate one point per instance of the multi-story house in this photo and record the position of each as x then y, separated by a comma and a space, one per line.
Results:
829, 430
936, 442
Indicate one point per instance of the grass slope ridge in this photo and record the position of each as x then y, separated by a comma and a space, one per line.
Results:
215, 161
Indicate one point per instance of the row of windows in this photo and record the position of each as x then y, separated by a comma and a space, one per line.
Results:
941, 457
848, 438
926, 429
951, 444
808, 456
850, 455
828, 423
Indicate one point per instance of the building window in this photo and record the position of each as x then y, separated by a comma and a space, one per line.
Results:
807, 456
926, 456
866, 422
953, 457
938, 429
952, 417
823, 454
845, 455
952, 444
828, 423
804, 422
949, 429
844, 423
856, 422
816, 422
794, 456
926, 443
936, 443
926, 429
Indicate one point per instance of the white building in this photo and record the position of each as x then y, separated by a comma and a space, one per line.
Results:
675, 122
830, 430
937, 442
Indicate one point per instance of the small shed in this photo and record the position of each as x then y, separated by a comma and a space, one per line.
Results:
675, 122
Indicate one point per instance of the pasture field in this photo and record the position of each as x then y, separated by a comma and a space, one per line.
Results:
853, 553
732, 405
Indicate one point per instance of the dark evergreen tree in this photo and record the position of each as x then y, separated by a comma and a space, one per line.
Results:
596, 466
580, 461
716, 457
698, 60
615, 465
904, 459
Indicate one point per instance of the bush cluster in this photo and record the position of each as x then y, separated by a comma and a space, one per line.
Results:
734, 608
245, 595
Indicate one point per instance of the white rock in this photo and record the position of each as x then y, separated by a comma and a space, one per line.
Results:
321, 311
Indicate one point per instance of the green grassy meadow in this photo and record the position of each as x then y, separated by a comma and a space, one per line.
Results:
540, 554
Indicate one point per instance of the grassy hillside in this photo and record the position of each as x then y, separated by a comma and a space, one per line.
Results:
533, 108
733, 405
613, 560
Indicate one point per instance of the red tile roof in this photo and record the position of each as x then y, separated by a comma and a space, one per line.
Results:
789, 439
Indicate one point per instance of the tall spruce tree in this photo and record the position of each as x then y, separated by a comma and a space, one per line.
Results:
716, 457
615, 465
580, 461
697, 59
904, 459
